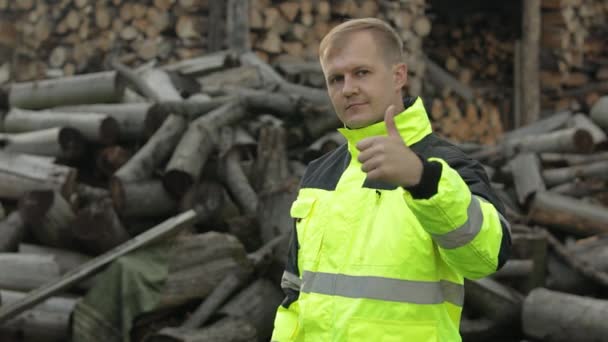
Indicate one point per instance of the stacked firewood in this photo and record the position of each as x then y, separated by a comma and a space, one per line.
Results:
574, 73
552, 177
469, 66
69, 37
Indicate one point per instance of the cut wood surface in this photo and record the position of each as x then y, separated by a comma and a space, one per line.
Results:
61, 142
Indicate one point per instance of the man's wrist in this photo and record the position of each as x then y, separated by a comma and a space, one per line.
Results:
429, 180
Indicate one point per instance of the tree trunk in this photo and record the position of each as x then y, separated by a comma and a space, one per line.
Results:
65, 259
526, 176
22, 173
162, 230
544, 317
129, 116
25, 272
47, 322
571, 215
196, 145
256, 304
598, 170
98, 229
566, 140
599, 112
12, 231
530, 61
94, 127
49, 216
61, 142
142, 199
99, 87
583, 122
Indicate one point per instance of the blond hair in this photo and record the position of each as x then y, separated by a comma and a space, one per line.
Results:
387, 37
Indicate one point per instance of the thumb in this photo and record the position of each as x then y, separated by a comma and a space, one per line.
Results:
389, 121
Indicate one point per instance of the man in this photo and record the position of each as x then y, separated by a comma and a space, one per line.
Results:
388, 224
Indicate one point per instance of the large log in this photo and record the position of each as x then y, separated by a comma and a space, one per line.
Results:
546, 125
129, 116
224, 330
544, 317
566, 140
142, 199
47, 322
599, 112
443, 79
65, 259
25, 272
526, 176
159, 147
49, 217
568, 214
98, 229
256, 304
94, 127
597, 170
12, 231
583, 122
99, 87
61, 142
530, 79
195, 146
190, 109
166, 228
572, 159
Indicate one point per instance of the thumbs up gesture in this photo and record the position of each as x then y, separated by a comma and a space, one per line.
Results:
387, 158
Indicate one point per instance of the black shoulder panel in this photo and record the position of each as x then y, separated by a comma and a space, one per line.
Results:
325, 172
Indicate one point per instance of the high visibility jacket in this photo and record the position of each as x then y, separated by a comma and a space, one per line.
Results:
370, 261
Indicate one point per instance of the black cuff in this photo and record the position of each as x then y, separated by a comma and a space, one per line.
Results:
429, 181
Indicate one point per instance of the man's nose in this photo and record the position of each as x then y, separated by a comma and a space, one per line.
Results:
350, 86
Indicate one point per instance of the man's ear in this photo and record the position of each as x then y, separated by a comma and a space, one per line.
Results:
400, 75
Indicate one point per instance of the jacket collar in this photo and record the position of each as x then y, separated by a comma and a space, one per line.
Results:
413, 124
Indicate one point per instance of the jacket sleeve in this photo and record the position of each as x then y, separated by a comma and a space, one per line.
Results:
456, 206
286, 319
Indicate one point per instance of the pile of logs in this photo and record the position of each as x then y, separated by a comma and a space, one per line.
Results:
96, 165
62, 38
552, 176
573, 53
468, 68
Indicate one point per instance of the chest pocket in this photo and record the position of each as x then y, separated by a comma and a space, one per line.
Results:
309, 229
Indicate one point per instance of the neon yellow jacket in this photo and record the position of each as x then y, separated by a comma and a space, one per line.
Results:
374, 262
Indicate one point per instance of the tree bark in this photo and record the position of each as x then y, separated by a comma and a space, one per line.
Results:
225, 330
99, 87
94, 127
65, 259
47, 322
237, 25
98, 229
530, 61
12, 231
570, 215
256, 304
526, 176
49, 216
597, 170
196, 145
61, 142
599, 112
129, 116
543, 317
25, 272
162, 230
142, 199
22, 173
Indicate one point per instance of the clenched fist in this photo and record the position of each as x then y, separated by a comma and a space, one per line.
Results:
387, 158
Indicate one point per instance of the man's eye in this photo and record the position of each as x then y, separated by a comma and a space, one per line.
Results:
362, 73
334, 80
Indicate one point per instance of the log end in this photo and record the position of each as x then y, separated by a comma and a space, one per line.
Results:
583, 141
154, 119
34, 205
177, 182
72, 143
109, 131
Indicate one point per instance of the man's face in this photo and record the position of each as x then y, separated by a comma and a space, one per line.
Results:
360, 81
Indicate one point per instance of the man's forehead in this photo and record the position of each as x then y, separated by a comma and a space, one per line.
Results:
350, 51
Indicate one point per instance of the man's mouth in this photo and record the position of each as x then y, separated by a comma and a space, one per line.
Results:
354, 105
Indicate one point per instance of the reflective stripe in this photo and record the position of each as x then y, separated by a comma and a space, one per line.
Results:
465, 233
290, 281
389, 289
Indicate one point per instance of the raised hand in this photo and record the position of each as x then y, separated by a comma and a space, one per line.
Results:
387, 158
